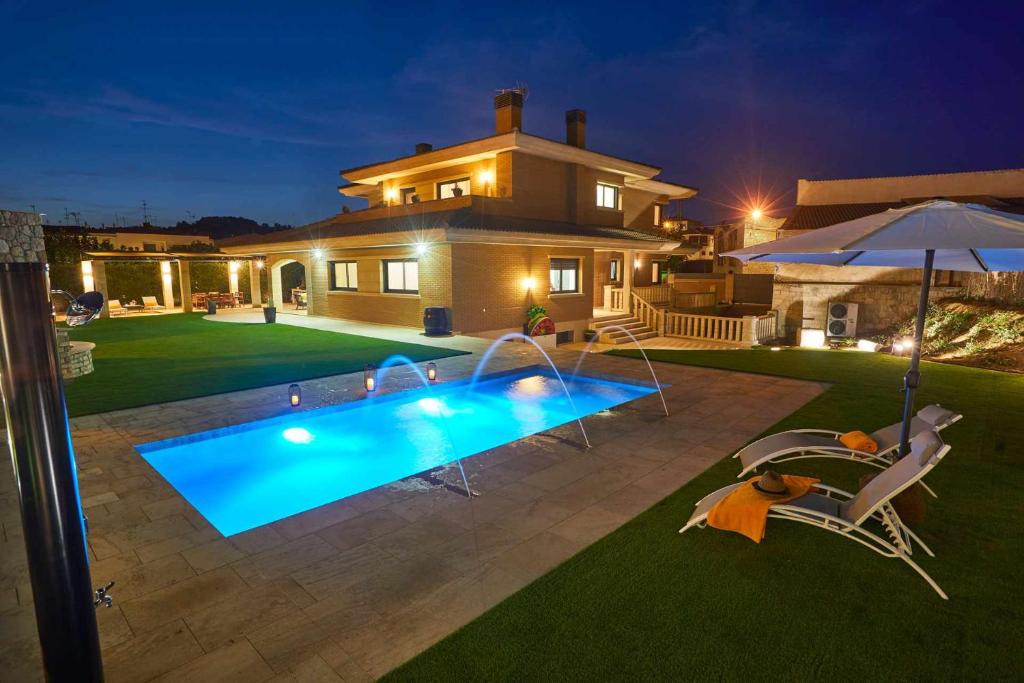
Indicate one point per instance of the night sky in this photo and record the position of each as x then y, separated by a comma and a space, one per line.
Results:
250, 109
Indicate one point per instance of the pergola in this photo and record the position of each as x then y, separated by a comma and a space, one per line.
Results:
94, 272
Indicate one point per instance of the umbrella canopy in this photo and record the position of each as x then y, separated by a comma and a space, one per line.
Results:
933, 234
965, 237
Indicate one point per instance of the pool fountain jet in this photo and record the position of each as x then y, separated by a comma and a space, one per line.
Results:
519, 335
586, 352
431, 407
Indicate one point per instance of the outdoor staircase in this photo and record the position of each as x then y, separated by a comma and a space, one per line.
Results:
609, 335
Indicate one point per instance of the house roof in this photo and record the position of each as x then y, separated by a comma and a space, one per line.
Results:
462, 216
811, 217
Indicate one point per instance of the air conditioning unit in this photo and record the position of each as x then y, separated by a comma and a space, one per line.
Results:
842, 319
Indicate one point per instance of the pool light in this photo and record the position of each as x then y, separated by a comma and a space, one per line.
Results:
294, 395
370, 378
297, 435
432, 372
431, 406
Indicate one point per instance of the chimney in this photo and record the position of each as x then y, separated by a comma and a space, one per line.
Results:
508, 111
576, 128
423, 147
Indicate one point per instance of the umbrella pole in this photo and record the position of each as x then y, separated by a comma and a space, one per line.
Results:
913, 377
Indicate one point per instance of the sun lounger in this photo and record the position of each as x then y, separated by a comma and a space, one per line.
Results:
149, 303
796, 444
115, 308
846, 514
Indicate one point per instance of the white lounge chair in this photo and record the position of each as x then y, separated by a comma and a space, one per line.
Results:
797, 444
845, 513
149, 304
115, 308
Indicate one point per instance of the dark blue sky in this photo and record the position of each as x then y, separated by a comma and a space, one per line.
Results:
251, 108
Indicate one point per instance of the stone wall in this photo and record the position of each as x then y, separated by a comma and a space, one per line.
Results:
75, 357
802, 304
21, 238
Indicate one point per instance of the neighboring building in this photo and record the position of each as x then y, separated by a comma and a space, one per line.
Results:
885, 295
745, 233
147, 238
694, 235
485, 228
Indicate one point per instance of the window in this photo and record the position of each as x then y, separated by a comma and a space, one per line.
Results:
564, 275
402, 276
453, 188
614, 270
657, 214
607, 196
407, 194
149, 246
344, 276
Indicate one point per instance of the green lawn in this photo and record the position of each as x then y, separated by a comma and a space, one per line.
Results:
647, 603
154, 359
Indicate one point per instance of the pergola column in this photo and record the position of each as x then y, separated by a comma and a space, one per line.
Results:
166, 285
255, 289
628, 270
185, 284
233, 276
99, 284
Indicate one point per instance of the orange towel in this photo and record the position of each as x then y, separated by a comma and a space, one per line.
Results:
859, 441
745, 510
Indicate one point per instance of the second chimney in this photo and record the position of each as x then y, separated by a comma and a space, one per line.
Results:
423, 147
508, 112
576, 128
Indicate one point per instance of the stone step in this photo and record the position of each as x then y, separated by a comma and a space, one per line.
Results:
624, 322
620, 338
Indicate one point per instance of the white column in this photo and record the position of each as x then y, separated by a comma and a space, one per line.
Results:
88, 283
185, 285
628, 270
255, 290
232, 276
165, 281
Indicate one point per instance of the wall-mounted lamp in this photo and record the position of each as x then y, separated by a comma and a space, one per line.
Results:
294, 395
391, 194
370, 378
420, 249
259, 265
432, 372
529, 283
636, 264
318, 253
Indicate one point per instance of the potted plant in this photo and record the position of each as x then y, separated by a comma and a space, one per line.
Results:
540, 327
269, 312
456, 191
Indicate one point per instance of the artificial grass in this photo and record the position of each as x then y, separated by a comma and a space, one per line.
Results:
146, 360
648, 603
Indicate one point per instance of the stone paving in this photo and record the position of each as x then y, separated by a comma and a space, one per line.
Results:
349, 590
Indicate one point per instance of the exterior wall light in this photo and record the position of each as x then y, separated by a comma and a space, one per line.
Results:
636, 264
420, 249
259, 265
529, 283
432, 372
370, 378
318, 254
391, 194
294, 395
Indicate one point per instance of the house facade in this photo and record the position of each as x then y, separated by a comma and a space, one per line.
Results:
884, 296
484, 228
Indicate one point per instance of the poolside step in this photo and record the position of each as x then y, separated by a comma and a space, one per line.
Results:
620, 337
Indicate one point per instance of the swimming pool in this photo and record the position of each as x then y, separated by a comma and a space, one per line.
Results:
249, 475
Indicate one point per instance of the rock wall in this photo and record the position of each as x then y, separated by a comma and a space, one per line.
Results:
21, 238
881, 305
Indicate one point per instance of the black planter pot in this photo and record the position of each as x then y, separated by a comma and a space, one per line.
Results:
269, 314
211, 307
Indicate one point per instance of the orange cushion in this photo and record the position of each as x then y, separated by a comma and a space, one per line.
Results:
859, 441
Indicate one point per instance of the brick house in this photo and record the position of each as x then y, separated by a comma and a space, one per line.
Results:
485, 228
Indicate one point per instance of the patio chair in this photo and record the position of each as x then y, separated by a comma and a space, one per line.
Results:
115, 307
797, 444
149, 304
846, 514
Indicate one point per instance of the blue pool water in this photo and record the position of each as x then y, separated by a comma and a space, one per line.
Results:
253, 474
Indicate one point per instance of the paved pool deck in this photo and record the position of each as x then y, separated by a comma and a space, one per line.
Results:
350, 590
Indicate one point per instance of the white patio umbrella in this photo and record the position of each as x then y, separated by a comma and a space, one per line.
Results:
934, 234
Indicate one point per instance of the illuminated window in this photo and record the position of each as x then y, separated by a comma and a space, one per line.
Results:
344, 276
407, 194
453, 188
402, 276
615, 270
564, 275
607, 196
657, 214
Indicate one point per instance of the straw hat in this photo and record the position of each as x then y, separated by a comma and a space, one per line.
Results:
771, 483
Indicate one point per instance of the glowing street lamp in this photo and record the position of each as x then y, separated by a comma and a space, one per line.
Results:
756, 214
370, 378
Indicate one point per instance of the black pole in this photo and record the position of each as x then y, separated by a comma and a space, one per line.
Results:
913, 377
51, 512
